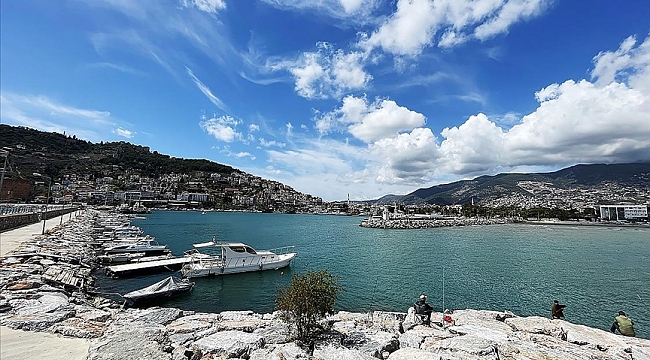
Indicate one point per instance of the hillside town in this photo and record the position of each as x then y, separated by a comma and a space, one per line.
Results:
239, 191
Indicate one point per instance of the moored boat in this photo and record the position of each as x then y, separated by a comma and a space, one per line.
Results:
222, 258
167, 287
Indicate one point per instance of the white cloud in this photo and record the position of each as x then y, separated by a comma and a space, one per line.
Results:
408, 158
347, 10
253, 127
627, 64
45, 114
209, 6
576, 122
206, 91
243, 154
327, 72
370, 121
124, 133
223, 128
416, 23
270, 143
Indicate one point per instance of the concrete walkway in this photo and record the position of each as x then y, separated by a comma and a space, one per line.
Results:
18, 344
11, 239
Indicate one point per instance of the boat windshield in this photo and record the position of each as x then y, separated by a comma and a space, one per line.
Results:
242, 249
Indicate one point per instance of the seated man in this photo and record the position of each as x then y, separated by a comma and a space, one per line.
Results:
423, 310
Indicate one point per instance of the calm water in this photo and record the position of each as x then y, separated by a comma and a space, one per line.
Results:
521, 268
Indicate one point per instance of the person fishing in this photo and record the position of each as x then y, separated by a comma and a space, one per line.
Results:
423, 309
557, 310
623, 324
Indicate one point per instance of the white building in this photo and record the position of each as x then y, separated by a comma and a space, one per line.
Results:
623, 212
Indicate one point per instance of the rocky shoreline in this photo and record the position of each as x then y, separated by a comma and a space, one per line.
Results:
33, 301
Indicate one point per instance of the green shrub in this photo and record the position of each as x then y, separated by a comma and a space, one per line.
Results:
309, 298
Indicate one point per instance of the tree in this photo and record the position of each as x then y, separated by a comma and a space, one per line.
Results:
309, 298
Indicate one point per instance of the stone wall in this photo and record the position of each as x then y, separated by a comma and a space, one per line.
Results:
13, 221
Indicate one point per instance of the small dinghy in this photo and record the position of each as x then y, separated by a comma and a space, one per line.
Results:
165, 288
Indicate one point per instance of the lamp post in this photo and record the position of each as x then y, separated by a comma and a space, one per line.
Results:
47, 199
3, 152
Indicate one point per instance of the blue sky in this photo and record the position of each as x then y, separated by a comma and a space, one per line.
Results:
338, 97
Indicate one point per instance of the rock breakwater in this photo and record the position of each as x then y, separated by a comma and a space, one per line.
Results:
415, 223
31, 301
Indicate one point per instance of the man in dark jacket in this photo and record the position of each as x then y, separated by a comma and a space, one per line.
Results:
557, 310
623, 324
423, 310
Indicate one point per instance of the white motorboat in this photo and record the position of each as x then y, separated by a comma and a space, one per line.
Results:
145, 246
222, 258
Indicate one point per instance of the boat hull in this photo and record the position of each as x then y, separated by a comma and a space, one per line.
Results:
199, 269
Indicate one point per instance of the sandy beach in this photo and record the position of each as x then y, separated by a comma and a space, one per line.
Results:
18, 344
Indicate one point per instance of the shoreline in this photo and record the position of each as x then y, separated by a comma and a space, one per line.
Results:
95, 328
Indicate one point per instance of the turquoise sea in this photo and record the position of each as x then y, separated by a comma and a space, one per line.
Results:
596, 271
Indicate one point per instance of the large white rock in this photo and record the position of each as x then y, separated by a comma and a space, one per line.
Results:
331, 352
230, 343
283, 351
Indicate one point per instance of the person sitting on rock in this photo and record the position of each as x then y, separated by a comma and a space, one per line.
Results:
623, 324
557, 310
423, 310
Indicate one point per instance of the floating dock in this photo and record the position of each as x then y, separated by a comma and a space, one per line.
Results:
147, 267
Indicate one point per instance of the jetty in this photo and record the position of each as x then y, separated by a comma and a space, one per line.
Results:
173, 264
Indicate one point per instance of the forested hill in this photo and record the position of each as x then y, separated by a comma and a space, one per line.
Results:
53, 153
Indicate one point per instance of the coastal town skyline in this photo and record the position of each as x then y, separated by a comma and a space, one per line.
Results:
359, 97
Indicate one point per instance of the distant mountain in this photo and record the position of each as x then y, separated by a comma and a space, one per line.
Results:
571, 184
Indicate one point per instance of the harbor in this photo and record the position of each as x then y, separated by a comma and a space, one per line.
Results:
106, 329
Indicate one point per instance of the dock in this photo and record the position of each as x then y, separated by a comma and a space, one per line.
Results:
147, 267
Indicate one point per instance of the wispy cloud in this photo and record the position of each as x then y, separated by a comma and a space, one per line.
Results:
42, 113
118, 67
206, 91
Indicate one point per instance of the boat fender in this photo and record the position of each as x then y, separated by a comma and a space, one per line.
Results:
222, 269
260, 266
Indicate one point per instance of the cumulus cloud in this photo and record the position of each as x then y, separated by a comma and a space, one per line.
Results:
606, 120
417, 24
326, 72
223, 128
407, 158
370, 121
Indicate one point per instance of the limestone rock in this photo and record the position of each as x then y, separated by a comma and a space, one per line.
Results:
413, 354
275, 332
35, 321
337, 353
284, 351
79, 328
133, 344
230, 343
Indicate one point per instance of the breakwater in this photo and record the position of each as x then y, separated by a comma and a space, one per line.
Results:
32, 301
417, 223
